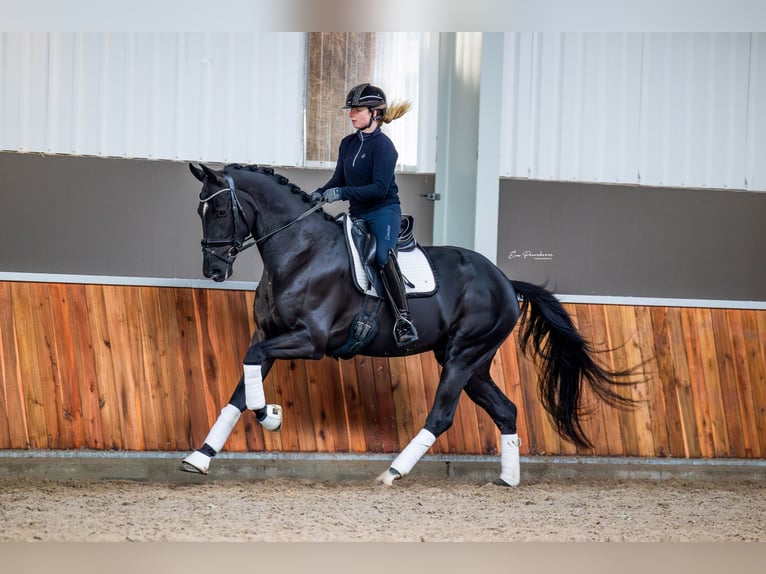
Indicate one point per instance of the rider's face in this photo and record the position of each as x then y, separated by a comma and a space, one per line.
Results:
360, 117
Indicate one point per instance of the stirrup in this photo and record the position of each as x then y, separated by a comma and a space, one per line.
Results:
404, 332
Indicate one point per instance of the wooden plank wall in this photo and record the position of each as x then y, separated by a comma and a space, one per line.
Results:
149, 368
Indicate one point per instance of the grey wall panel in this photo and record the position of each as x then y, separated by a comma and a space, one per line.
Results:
128, 218
137, 218
591, 239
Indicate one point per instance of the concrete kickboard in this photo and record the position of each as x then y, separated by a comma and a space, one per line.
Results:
165, 467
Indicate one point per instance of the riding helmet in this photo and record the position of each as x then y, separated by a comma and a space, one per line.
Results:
366, 96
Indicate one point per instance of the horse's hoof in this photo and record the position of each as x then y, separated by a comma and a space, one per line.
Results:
501, 482
196, 462
273, 419
388, 477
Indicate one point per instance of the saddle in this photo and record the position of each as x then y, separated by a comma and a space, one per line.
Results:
414, 263
417, 269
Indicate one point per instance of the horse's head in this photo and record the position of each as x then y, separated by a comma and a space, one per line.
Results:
224, 227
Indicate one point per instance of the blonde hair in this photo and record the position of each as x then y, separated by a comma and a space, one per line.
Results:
395, 111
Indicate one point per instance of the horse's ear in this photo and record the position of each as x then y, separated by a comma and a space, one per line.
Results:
197, 172
210, 174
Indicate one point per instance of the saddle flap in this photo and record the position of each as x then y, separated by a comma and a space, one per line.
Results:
365, 242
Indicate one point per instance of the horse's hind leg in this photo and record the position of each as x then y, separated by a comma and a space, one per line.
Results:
439, 419
483, 391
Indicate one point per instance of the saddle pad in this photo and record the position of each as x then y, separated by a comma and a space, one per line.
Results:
415, 266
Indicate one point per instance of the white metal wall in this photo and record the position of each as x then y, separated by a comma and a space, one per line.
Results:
668, 109
174, 96
665, 109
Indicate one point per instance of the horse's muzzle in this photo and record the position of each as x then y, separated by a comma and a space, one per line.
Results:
217, 276
216, 268
218, 262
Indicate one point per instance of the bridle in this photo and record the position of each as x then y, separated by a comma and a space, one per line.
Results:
236, 245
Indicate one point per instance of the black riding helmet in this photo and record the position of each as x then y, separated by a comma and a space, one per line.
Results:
366, 96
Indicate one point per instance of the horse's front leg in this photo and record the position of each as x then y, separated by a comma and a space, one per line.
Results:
249, 394
258, 359
199, 460
270, 417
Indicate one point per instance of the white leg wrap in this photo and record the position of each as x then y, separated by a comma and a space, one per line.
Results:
413, 452
510, 471
223, 426
254, 396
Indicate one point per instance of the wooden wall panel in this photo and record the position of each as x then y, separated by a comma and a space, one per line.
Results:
13, 413
149, 368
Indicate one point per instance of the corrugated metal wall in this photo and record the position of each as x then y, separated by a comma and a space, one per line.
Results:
667, 109
680, 109
173, 96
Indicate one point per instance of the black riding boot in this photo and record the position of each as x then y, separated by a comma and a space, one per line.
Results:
404, 330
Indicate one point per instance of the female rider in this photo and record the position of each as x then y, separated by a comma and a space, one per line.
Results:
364, 176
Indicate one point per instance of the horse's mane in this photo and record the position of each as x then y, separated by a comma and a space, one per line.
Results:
280, 179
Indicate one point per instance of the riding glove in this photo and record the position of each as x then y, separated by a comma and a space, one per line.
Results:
332, 194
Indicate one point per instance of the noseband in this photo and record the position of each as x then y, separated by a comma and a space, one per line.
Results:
235, 245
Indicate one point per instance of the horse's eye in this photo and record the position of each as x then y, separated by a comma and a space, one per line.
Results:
220, 213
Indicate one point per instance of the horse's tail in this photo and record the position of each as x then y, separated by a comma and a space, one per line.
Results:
566, 360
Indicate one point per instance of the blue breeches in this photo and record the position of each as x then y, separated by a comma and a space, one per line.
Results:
384, 224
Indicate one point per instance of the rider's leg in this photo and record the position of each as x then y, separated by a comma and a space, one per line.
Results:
404, 330
385, 223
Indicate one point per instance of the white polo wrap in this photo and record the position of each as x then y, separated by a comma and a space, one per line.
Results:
254, 396
510, 471
223, 426
413, 452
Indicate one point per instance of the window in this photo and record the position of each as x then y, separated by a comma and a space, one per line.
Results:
403, 64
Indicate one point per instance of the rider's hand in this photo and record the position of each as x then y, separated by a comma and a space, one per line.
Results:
332, 194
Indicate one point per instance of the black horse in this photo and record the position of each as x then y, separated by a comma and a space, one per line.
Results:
306, 301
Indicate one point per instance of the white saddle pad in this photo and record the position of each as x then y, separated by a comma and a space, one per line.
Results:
415, 266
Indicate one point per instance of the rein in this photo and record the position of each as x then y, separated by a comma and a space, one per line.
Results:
296, 220
237, 246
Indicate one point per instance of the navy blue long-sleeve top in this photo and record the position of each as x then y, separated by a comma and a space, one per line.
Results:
365, 172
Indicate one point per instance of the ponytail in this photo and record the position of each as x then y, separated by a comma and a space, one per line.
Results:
395, 111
